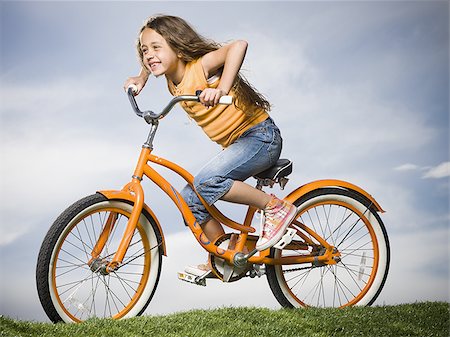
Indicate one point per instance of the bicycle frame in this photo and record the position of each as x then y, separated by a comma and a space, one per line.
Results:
133, 192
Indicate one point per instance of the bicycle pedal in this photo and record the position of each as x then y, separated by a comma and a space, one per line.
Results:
194, 279
286, 238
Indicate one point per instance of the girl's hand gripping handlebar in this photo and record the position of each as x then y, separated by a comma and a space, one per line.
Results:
151, 117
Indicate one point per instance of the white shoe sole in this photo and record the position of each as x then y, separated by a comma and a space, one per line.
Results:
194, 270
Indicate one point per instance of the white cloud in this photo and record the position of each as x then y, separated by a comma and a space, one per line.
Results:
45, 177
48, 97
53, 150
407, 167
10, 233
440, 171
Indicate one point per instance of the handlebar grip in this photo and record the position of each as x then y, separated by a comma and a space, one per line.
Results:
133, 88
224, 100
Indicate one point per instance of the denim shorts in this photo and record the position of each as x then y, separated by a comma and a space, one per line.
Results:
254, 151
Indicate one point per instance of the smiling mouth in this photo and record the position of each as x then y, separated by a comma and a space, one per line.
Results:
154, 65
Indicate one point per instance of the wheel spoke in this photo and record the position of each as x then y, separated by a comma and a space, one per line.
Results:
78, 248
71, 270
357, 249
75, 257
123, 281
82, 242
356, 222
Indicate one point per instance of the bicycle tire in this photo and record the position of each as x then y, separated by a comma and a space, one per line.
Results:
360, 275
70, 291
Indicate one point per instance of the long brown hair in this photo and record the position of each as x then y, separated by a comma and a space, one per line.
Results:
184, 40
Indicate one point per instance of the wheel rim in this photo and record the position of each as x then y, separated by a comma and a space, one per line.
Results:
348, 229
83, 293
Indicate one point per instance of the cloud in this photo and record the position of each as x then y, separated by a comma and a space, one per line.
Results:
51, 151
440, 171
407, 167
52, 177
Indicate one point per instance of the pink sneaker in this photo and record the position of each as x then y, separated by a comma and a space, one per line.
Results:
278, 216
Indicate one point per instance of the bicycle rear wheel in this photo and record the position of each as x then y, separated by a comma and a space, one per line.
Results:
73, 288
348, 222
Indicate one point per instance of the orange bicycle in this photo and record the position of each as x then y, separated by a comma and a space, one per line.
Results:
102, 256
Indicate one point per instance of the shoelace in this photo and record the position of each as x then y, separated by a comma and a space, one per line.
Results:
268, 226
272, 212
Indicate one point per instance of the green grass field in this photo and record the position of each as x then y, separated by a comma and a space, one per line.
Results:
419, 319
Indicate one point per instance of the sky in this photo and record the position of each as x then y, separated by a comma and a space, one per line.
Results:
359, 90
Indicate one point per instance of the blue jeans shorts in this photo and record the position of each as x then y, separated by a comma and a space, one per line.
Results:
254, 151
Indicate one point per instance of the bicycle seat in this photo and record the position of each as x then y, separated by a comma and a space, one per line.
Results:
281, 169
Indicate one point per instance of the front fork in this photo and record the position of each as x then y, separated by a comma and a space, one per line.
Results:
102, 265
135, 188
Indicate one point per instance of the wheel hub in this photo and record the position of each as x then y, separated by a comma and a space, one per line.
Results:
99, 265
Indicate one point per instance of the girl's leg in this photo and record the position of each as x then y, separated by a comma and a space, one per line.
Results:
222, 178
212, 229
239, 193
242, 193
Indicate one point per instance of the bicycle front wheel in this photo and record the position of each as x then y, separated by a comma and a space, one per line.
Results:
73, 287
348, 222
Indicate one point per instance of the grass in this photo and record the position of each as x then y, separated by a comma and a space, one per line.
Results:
418, 319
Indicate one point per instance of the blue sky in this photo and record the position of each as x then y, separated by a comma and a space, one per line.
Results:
359, 89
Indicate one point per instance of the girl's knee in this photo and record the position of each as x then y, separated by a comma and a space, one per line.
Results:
213, 188
194, 204
207, 182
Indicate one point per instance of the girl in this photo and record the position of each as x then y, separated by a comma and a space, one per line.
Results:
251, 142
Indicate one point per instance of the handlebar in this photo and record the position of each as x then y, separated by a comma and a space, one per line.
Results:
150, 117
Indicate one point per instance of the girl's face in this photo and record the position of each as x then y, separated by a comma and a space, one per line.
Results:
158, 57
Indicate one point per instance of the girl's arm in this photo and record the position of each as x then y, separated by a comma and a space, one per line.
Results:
230, 57
139, 81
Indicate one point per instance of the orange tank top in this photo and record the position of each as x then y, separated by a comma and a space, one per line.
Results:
223, 124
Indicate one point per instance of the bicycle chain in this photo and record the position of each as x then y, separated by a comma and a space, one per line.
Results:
297, 269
